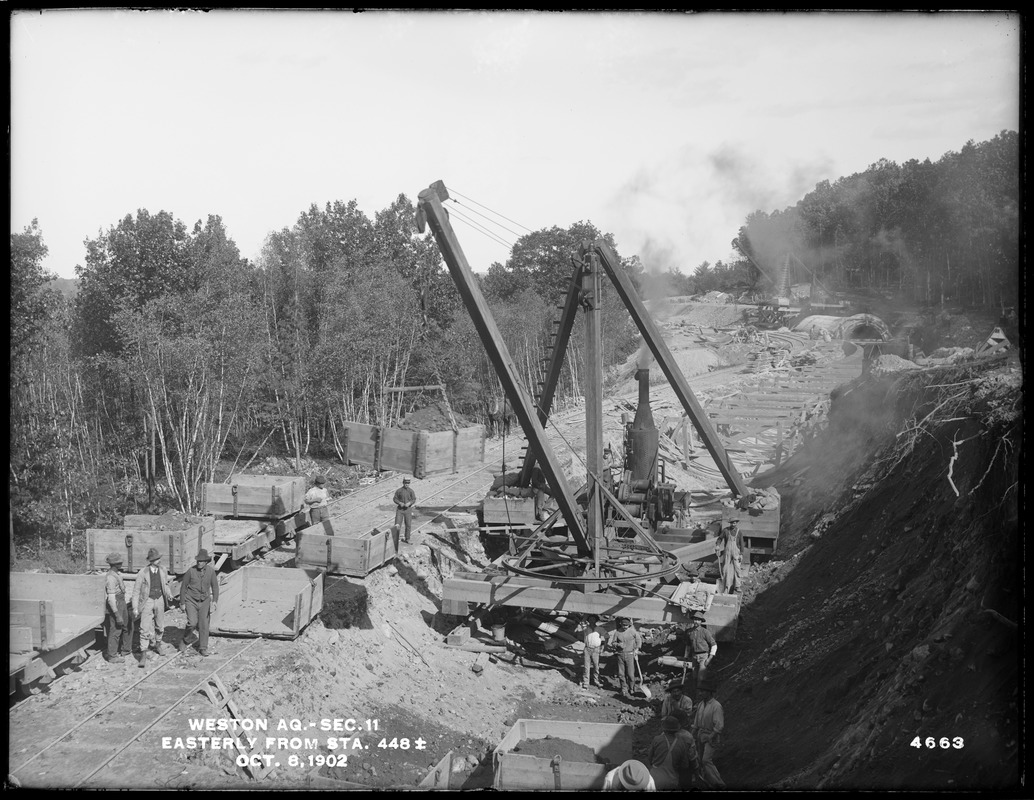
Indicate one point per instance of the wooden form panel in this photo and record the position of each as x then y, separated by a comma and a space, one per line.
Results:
515, 771
321, 547
269, 497
178, 548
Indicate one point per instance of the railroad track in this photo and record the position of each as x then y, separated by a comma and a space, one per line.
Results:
126, 722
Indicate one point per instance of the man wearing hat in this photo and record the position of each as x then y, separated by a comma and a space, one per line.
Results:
728, 546
701, 647
198, 596
673, 756
677, 705
316, 499
632, 776
150, 601
626, 641
708, 724
117, 621
404, 500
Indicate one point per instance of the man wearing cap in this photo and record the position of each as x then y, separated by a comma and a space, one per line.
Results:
316, 499
708, 724
701, 647
632, 776
117, 620
626, 641
677, 705
404, 499
198, 596
150, 602
673, 756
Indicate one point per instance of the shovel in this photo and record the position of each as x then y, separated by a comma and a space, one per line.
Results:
640, 686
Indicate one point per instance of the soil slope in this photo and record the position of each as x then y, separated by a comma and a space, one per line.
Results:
895, 617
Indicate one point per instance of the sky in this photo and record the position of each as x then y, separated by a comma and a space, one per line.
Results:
663, 129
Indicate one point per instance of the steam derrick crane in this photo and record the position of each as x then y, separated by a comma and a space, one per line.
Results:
589, 570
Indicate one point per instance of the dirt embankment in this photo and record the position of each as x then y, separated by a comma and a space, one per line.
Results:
895, 616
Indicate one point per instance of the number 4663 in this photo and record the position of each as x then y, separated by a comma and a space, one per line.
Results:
944, 743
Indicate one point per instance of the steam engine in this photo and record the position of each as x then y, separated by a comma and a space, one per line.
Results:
643, 491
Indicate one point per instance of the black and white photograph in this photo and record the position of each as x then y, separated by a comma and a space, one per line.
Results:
471, 400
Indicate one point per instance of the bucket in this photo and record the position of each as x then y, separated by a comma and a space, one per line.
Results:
499, 633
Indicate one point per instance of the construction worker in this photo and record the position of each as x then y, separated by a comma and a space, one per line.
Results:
677, 705
728, 546
631, 776
117, 621
592, 638
199, 596
316, 499
673, 756
708, 724
701, 647
150, 601
404, 500
626, 642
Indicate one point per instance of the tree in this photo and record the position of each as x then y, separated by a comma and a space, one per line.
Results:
136, 261
30, 296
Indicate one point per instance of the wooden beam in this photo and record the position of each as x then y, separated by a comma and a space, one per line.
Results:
530, 593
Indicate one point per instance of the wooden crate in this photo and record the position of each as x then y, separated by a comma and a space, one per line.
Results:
270, 497
271, 602
330, 546
759, 527
514, 771
421, 453
178, 547
515, 512
55, 608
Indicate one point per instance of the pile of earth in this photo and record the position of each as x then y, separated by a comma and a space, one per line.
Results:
433, 417
551, 746
881, 650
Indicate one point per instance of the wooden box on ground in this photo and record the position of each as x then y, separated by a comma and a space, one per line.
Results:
421, 453
260, 496
271, 602
514, 512
759, 527
328, 545
514, 771
178, 547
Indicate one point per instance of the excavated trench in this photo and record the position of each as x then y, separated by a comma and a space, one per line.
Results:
883, 651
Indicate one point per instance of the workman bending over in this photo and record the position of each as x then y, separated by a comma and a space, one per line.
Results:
673, 757
626, 641
708, 724
199, 596
404, 500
